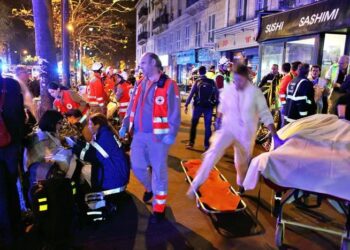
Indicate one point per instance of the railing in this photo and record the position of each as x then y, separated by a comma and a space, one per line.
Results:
143, 12
142, 36
162, 19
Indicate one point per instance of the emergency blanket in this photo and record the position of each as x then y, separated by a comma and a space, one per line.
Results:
214, 192
315, 157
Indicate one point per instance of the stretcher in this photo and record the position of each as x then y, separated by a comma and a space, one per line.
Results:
216, 195
285, 196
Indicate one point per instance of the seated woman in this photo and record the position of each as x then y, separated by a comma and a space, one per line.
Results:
110, 166
80, 123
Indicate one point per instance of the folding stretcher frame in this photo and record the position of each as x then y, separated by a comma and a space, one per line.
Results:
289, 195
205, 208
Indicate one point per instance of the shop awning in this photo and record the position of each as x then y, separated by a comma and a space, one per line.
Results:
319, 17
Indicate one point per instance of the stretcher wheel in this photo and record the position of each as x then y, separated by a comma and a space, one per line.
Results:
345, 244
279, 234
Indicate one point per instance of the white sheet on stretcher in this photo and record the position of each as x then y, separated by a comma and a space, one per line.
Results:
316, 157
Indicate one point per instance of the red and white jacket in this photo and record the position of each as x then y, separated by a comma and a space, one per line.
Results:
95, 92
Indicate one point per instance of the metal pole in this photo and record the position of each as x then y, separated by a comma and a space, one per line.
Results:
65, 43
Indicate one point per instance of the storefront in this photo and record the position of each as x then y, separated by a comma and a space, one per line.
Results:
238, 43
185, 61
208, 57
315, 34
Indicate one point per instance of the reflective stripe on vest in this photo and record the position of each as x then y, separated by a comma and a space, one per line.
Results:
100, 150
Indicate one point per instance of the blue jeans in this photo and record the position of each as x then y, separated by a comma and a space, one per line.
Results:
9, 202
208, 114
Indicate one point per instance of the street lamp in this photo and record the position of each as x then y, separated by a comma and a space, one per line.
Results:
25, 52
70, 27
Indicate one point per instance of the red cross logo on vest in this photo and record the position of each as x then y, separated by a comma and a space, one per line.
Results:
159, 100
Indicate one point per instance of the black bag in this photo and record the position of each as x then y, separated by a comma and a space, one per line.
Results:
53, 208
206, 94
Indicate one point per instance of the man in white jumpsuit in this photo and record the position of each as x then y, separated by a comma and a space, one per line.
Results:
241, 107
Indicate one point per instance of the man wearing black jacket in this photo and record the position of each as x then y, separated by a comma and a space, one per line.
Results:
300, 101
13, 115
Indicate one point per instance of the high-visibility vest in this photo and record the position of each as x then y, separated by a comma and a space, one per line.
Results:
160, 108
96, 92
125, 98
66, 102
109, 84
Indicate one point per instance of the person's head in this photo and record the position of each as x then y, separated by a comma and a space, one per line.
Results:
97, 67
202, 70
51, 121
296, 65
150, 64
54, 89
132, 72
286, 68
274, 69
241, 77
304, 69
97, 121
22, 73
212, 68
74, 115
119, 78
343, 62
110, 70
315, 71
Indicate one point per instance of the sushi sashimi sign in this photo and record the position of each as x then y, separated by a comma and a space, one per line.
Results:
319, 17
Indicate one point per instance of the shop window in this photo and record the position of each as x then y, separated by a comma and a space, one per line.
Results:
187, 36
271, 54
211, 28
334, 47
301, 50
241, 10
198, 34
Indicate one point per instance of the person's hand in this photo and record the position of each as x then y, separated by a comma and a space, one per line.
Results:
186, 110
191, 193
337, 85
277, 142
122, 132
168, 139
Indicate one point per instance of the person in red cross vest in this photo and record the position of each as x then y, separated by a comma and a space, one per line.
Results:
66, 99
110, 80
97, 97
123, 93
153, 117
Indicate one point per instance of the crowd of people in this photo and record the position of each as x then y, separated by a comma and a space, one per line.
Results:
91, 127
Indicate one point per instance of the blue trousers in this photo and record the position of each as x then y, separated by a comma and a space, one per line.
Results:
197, 113
9, 203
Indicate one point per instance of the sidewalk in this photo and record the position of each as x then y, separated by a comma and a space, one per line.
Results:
188, 228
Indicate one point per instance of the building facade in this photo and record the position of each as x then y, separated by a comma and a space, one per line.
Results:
189, 33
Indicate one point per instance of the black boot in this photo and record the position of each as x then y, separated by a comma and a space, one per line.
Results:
157, 217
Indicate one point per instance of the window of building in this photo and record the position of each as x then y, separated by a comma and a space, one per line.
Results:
187, 36
198, 34
211, 28
261, 5
178, 40
334, 47
241, 10
170, 42
179, 9
288, 4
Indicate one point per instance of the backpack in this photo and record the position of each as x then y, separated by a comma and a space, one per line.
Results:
206, 93
5, 137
